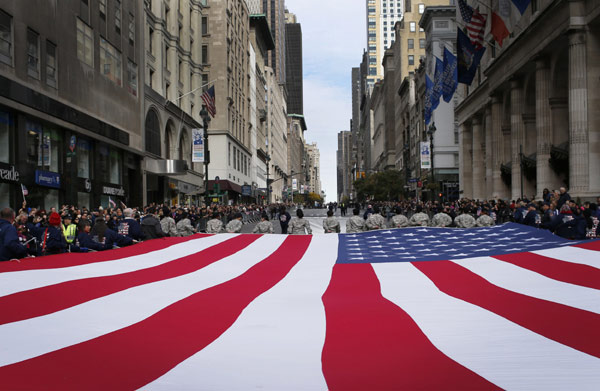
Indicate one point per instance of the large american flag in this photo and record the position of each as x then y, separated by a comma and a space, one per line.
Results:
474, 23
506, 307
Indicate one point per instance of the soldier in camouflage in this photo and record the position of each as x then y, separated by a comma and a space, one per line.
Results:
375, 221
441, 219
419, 219
399, 220
330, 224
485, 220
264, 227
464, 220
214, 225
355, 223
235, 225
299, 226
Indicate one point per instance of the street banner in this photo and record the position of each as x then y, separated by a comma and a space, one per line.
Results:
294, 184
425, 155
450, 76
197, 145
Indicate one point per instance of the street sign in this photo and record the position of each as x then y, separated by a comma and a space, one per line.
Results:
246, 190
413, 180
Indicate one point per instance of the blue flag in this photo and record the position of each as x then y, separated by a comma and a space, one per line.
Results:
450, 76
521, 5
428, 92
438, 84
468, 58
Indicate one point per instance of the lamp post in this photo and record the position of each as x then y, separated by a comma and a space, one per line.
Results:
268, 185
430, 132
205, 121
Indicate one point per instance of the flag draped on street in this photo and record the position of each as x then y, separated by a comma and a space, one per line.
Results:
209, 100
474, 23
505, 307
450, 76
468, 58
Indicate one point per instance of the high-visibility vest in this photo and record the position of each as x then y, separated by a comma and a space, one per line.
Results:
70, 232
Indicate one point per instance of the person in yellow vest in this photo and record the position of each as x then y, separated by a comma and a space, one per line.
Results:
69, 230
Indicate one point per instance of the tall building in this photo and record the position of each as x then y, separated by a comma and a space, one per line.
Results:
277, 138
70, 102
344, 173
293, 59
176, 74
313, 184
275, 11
297, 168
382, 15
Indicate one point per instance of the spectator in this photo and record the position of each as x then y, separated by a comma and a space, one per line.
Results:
85, 240
284, 220
151, 228
563, 198
129, 226
106, 236
10, 246
184, 225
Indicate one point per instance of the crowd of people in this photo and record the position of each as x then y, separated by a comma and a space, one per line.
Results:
36, 232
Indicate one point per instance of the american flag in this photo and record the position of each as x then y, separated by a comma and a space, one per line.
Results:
506, 307
209, 100
474, 23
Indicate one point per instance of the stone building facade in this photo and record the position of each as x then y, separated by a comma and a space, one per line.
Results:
530, 120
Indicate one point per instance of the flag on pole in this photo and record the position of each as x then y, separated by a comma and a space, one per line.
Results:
438, 84
428, 103
505, 14
111, 202
474, 23
24, 190
468, 58
504, 307
209, 100
450, 76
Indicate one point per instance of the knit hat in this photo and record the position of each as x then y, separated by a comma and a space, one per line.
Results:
54, 219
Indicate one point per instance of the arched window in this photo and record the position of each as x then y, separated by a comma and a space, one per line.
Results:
169, 138
185, 148
152, 131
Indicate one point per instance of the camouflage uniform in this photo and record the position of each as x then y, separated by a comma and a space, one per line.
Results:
399, 221
264, 227
419, 219
355, 224
375, 221
214, 226
464, 221
441, 220
331, 225
234, 226
485, 221
298, 227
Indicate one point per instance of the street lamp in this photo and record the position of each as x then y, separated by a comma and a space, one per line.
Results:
430, 132
268, 185
205, 121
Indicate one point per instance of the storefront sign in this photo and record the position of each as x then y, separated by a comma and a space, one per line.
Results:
47, 178
425, 155
197, 145
87, 184
246, 190
9, 174
116, 191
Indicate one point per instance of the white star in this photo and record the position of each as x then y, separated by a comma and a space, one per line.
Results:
470, 245
494, 234
352, 240
430, 237
530, 239
353, 244
461, 255
387, 232
413, 240
470, 234
510, 229
500, 245
453, 237
399, 248
445, 233
375, 246
381, 256
374, 241
482, 250
441, 245
423, 230
460, 242
356, 259
512, 249
409, 234
436, 241
521, 233
378, 251
418, 245
372, 237
393, 243
408, 257
432, 254
425, 250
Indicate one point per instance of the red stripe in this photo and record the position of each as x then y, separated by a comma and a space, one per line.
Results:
372, 344
593, 245
567, 325
136, 355
75, 259
49, 299
572, 273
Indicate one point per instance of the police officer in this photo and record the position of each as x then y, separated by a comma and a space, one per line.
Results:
355, 223
10, 246
214, 225
69, 230
265, 226
419, 219
375, 220
235, 225
441, 219
330, 224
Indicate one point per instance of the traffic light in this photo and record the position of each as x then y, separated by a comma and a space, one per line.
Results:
441, 195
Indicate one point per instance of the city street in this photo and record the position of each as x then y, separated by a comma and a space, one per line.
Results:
314, 216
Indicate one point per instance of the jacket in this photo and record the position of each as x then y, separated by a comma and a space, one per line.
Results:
10, 246
151, 228
85, 241
131, 228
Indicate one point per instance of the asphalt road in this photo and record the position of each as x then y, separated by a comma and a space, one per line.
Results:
314, 216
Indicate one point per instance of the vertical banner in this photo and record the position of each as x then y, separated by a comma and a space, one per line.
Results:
197, 145
425, 155
294, 184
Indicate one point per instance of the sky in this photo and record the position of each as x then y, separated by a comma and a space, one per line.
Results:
333, 40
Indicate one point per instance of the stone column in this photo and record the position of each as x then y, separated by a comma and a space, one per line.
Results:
517, 132
478, 168
543, 125
497, 149
466, 167
578, 120
489, 188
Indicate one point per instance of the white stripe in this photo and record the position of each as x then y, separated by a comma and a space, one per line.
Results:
510, 356
277, 342
526, 282
573, 254
33, 337
19, 281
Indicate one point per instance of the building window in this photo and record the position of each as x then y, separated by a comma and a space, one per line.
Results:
102, 8
150, 39
422, 43
132, 78
204, 25
229, 154
152, 133
118, 16
6, 42
131, 29
205, 83
421, 8
33, 54
411, 60
413, 27
5, 126
44, 147
83, 158
150, 77
85, 43
50, 64
411, 43
110, 62
204, 54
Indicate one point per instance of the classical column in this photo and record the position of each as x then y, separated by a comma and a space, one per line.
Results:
478, 168
487, 125
466, 167
543, 125
497, 149
517, 131
579, 177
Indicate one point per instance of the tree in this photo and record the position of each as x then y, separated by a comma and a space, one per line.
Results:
386, 185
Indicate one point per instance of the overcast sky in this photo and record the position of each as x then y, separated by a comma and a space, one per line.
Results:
333, 39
